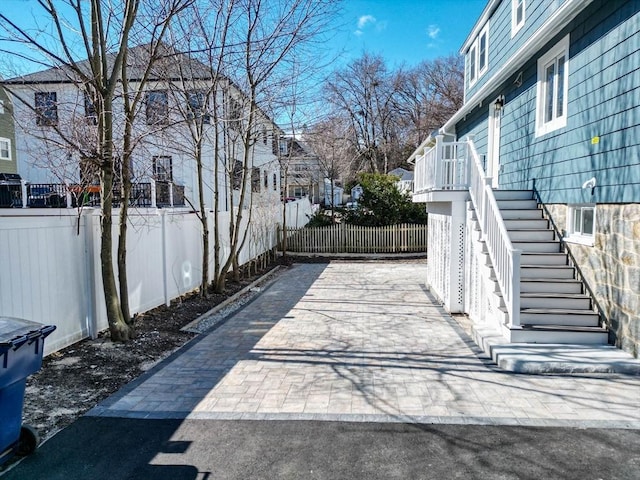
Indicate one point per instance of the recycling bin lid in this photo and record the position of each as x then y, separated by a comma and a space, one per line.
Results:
16, 330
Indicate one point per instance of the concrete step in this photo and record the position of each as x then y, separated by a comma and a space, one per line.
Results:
517, 204
555, 358
569, 301
545, 316
531, 235
537, 247
536, 258
559, 334
547, 272
513, 194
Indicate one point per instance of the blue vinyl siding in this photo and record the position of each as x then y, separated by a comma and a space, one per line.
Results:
501, 45
604, 102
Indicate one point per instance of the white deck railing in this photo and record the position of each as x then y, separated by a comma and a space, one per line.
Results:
443, 167
457, 166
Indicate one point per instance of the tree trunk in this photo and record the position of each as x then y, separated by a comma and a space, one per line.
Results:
204, 282
118, 327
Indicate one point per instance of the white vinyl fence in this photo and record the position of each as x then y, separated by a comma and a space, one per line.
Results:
345, 238
50, 262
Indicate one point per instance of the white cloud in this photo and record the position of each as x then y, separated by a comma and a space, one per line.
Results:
433, 31
364, 20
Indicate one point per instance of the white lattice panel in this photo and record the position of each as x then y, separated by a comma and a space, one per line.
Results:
439, 254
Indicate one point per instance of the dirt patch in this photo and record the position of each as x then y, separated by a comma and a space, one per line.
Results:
75, 379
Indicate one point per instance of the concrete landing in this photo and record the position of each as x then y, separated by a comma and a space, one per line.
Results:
535, 358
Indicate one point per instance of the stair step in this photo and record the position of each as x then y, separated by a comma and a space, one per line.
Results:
531, 235
527, 224
552, 300
520, 214
560, 334
513, 194
537, 247
517, 204
547, 272
547, 285
545, 316
536, 258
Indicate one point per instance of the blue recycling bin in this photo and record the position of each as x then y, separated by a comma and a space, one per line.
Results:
21, 347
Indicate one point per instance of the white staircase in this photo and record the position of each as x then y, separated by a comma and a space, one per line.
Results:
554, 307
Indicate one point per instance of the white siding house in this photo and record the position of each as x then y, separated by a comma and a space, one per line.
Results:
55, 125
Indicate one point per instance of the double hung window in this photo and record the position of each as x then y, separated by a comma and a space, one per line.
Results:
5, 149
517, 16
46, 108
552, 90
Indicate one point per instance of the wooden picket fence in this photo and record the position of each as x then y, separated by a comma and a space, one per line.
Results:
344, 238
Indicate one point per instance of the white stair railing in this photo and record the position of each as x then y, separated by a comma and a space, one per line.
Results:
504, 257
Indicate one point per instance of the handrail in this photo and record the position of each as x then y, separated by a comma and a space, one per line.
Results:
504, 257
457, 166
602, 319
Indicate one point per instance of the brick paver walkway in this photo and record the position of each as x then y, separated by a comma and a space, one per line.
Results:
361, 341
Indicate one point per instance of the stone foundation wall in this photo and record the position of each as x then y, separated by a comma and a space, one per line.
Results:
611, 267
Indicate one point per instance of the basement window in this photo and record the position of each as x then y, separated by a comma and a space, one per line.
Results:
581, 224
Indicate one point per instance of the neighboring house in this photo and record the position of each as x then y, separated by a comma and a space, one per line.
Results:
405, 182
333, 193
8, 163
53, 103
548, 136
304, 175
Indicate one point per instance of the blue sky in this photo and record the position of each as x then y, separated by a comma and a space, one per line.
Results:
406, 31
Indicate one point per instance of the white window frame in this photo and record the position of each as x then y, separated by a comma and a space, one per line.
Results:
472, 59
579, 235
483, 33
515, 25
8, 156
544, 126
283, 147
475, 55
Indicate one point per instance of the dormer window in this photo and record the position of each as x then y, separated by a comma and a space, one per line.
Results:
517, 16
478, 56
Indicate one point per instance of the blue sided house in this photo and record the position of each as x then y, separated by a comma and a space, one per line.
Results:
533, 186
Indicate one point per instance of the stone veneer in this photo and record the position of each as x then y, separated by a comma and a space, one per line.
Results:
611, 267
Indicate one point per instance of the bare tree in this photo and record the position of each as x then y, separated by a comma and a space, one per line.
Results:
201, 31
332, 140
364, 92
100, 31
429, 94
269, 41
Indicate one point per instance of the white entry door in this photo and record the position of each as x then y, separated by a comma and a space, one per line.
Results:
493, 146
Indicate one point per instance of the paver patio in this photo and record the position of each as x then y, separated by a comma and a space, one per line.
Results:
361, 341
